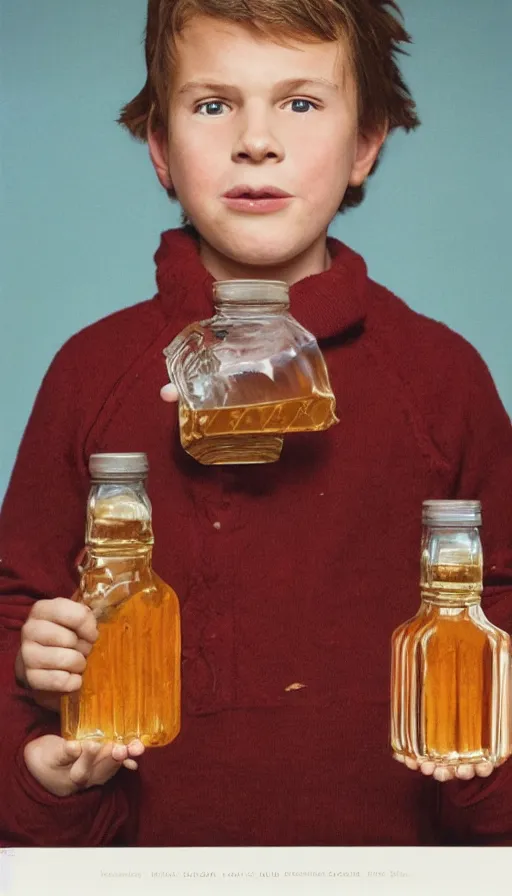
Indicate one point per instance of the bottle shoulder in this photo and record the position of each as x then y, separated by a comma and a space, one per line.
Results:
449, 624
164, 589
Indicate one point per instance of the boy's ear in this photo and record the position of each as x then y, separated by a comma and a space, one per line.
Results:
367, 149
158, 153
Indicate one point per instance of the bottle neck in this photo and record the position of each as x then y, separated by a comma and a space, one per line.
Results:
451, 566
119, 520
252, 310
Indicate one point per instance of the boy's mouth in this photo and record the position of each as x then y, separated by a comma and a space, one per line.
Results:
257, 200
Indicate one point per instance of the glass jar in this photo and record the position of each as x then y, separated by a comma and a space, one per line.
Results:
248, 376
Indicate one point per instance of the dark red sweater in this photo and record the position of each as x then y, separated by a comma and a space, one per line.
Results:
296, 572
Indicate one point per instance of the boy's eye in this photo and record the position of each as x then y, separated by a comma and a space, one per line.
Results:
211, 107
302, 105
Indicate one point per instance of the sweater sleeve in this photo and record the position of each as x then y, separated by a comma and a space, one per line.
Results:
479, 811
41, 534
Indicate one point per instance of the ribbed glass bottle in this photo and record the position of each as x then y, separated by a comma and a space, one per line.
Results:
131, 684
450, 668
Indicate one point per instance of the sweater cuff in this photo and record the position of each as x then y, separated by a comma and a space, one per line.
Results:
35, 791
479, 812
99, 816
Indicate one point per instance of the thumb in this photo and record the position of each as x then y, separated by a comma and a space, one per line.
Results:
67, 752
52, 751
169, 393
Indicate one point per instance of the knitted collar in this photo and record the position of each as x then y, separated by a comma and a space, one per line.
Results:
326, 304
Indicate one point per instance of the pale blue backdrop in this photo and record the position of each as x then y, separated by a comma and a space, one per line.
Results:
82, 212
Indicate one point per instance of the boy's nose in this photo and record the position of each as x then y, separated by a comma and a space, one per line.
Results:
257, 143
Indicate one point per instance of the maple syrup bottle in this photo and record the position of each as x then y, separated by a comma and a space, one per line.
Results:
450, 680
248, 376
131, 684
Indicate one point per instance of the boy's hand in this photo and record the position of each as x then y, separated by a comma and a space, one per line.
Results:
448, 773
169, 393
56, 639
63, 767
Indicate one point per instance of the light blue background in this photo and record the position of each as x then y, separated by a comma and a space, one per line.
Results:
82, 211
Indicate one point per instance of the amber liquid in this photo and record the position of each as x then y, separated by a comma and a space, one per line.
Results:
251, 434
450, 690
131, 684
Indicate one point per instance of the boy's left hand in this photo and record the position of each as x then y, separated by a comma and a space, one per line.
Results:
444, 773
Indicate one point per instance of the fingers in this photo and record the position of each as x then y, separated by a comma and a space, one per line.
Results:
465, 772
53, 752
63, 767
67, 613
119, 752
169, 393
53, 680
37, 656
80, 772
484, 769
127, 754
49, 634
56, 640
134, 748
67, 752
442, 773
98, 762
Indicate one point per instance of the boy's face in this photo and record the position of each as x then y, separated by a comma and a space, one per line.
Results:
251, 114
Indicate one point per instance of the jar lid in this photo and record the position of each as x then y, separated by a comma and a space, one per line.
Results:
452, 513
104, 467
251, 292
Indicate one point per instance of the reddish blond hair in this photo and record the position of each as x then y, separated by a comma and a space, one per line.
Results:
373, 30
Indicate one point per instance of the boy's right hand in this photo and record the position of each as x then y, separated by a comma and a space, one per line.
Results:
56, 640
64, 767
169, 393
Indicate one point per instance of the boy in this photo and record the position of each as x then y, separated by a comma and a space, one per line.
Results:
292, 577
